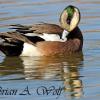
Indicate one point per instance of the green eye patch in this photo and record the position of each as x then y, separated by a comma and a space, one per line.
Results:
70, 11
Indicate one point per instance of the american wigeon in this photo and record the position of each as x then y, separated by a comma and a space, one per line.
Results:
45, 39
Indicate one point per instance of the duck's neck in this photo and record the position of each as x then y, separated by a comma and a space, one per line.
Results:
76, 34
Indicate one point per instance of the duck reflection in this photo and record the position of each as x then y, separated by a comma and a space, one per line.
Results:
57, 68
62, 68
71, 75
10, 66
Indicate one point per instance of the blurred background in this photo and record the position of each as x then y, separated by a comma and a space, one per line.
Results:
78, 74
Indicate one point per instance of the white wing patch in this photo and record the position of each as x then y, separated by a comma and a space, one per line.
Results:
51, 37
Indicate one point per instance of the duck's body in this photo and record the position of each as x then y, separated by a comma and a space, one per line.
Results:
22, 45
43, 39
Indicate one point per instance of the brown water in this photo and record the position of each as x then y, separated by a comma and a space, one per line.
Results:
78, 74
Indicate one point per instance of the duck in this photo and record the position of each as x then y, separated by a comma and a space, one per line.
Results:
45, 39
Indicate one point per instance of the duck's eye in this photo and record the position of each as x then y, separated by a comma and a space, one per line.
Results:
68, 21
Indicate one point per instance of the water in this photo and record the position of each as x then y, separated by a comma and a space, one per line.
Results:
76, 76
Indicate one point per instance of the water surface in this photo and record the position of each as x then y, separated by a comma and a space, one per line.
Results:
78, 75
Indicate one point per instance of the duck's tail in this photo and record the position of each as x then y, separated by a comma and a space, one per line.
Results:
10, 46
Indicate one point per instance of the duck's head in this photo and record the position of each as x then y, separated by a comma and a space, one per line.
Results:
70, 18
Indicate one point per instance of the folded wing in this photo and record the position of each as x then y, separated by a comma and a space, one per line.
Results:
38, 28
